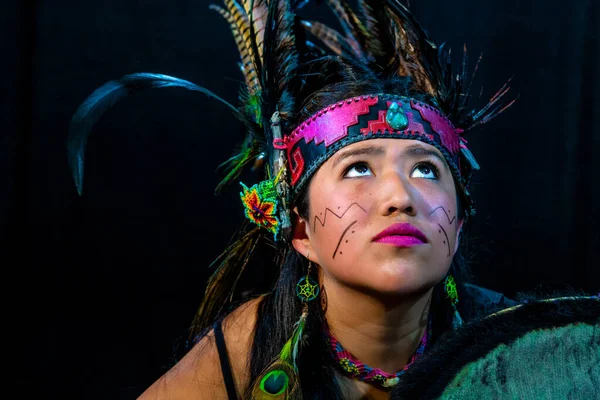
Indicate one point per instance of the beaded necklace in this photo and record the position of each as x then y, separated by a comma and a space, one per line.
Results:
351, 366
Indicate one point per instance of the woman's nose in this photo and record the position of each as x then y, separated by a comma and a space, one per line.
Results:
396, 195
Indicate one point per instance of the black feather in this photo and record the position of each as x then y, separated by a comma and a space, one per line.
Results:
105, 97
280, 61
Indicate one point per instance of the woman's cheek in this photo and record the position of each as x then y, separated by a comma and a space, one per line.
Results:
447, 225
337, 228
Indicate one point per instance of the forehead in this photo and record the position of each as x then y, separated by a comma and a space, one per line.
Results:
395, 148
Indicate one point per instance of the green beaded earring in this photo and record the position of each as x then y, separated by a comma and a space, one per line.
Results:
452, 294
307, 289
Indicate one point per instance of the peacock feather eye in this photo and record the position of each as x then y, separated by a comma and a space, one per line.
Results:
275, 382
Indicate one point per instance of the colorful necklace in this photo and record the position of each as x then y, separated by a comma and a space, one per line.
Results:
358, 370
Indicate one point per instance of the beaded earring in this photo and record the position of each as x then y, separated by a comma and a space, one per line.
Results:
452, 294
307, 289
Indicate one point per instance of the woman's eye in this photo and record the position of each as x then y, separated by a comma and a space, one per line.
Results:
358, 169
425, 171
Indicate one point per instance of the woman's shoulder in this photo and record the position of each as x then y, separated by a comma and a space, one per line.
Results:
198, 374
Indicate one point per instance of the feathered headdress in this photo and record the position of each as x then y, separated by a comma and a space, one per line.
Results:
382, 41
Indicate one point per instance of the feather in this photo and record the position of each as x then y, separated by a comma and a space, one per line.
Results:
460, 88
381, 38
257, 14
404, 63
379, 43
233, 166
419, 50
493, 108
222, 283
399, 44
280, 379
240, 26
105, 97
280, 62
264, 31
298, 4
353, 27
330, 37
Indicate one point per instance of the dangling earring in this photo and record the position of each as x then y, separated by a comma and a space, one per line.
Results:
280, 378
452, 294
307, 289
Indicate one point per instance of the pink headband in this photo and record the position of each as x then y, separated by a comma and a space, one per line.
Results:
367, 117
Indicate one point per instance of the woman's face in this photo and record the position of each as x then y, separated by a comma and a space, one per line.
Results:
383, 217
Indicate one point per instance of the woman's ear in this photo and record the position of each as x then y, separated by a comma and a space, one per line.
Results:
300, 239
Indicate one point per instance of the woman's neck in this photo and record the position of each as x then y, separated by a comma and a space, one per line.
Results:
381, 334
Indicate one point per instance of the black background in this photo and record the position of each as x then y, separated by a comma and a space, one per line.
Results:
101, 288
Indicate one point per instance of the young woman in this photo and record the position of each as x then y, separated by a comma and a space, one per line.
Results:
363, 194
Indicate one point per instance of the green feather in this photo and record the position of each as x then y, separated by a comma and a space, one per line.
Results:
280, 379
290, 349
253, 108
236, 163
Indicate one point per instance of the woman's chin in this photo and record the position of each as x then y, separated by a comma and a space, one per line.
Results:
401, 283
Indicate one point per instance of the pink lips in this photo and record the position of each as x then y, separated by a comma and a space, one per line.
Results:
401, 235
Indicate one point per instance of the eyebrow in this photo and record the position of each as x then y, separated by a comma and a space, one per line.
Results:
418, 151
411, 151
369, 150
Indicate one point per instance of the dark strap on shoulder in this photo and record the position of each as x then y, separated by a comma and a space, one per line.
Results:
224, 360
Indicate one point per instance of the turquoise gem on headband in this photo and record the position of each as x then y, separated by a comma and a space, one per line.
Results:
395, 117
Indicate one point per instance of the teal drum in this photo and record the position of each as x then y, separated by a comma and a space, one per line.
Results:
542, 349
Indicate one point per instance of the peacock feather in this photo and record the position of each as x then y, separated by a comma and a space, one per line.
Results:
280, 379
